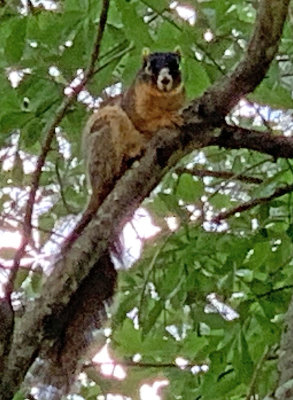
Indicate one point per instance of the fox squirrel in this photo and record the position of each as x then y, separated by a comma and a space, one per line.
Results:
115, 135
120, 130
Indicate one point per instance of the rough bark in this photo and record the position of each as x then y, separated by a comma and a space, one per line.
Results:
74, 328
233, 137
64, 286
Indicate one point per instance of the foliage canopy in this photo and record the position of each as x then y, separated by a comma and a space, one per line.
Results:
214, 290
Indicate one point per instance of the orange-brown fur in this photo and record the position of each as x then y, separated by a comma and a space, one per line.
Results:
155, 109
120, 130
109, 140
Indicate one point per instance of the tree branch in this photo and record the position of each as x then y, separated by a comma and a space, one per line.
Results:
97, 44
200, 172
255, 376
234, 137
273, 291
252, 203
140, 364
27, 226
30, 6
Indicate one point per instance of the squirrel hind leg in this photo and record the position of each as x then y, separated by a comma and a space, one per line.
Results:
102, 161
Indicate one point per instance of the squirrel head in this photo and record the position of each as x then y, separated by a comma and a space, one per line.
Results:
162, 70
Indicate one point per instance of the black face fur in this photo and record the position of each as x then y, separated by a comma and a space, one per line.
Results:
163, 70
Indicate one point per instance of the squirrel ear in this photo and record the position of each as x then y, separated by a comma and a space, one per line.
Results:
177, 51
145, 53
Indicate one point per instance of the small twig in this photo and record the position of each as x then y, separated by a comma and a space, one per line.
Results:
150, 269
252, 203
225, 184
97, 45
128, 363
27, 226
30, 6
20, 221
113, 58
256, 109
280, 267
280, 289
59, 180
225, 373
219, 174
2, 266
257, 370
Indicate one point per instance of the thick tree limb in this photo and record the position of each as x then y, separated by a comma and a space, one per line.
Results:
163, 153
233, 137
84, 313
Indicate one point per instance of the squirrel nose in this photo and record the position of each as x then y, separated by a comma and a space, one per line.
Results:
165, 81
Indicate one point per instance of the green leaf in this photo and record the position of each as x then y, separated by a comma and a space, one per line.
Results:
42, 94
171, 202
193, 345
17, 170
290, 231
32, 133
261, 252
158, 206
74, 122
47, 221
220, 201
76, 55
18, 396
9, 99
242, 360
167, 36
16, 41
104, 77
171, 282
189, 189
195, 77
13, 120
132, 63
128, 338
237, 165
277, 97
37, 281
135, 28
75, 5
149, 321
245, 274
158, 5
22, 274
